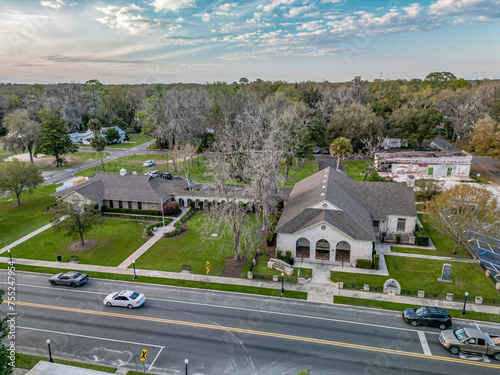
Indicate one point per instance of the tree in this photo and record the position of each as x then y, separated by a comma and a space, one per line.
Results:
185, 159
112, 135
428, 189
97, 142
340, 149
96, 92
461, 211
439, 80
6, 360
485, 135
81, 216
416, 126
16, 177
55, 140
23, 133
371, 145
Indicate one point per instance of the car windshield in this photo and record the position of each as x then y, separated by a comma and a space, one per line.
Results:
78, 274
134, 296
460, 334
420, 311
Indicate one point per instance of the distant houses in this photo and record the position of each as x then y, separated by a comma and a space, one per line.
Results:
84, 138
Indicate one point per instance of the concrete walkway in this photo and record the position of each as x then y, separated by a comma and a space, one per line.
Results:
157, 236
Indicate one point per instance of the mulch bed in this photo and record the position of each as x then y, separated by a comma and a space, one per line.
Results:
230, 271
232, 262
77, 246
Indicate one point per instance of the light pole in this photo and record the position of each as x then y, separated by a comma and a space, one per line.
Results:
186, 361
10, 256
135, 275
465, 301
50, 353
282, 283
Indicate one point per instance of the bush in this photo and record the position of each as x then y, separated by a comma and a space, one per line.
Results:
149, 228
130, 211
179, 228
171, 208
422, 237
376, 259
129, 216
285, 258
382, 236
188, 215
364, 263
398, 238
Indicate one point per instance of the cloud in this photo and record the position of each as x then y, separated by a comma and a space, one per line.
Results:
298, 10
311, 26
54, 4
223, 10
171, 5
268, 8
125, 19
466, 8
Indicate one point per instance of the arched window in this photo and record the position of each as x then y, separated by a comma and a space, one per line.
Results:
343, 252
323, 250
303, 249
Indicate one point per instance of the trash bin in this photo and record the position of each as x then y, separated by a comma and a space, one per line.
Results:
291, 261
59, 258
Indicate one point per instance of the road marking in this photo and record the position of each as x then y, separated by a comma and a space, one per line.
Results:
424, 343
260, 333
477, 326
89, 337
477, 357
154, 360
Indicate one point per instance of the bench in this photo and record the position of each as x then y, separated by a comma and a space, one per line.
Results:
186, 267
74, 259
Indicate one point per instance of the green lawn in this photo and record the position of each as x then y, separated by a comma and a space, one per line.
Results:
356, 170
130, 163
72, 160
421, 274
116, 240
170, 254
401, 306
18, 221
135, 140
28, 361
303, 171
261, 268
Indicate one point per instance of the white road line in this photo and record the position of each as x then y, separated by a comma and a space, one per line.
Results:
245, 309
154, 360
477, 326
424, 343
90, 337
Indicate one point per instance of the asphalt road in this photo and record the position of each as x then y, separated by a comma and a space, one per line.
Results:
223, 333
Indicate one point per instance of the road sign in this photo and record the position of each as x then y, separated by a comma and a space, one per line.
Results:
208, 266
143, 354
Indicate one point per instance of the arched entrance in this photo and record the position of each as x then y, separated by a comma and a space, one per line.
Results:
303, 248
181, 202
323, 250
343, 252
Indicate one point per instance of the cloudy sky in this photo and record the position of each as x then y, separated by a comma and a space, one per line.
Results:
134, 41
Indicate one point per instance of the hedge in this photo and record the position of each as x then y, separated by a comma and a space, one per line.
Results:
188, 214
422, 237
179, 228
364, 263
149, 228
130, 211
376, 259
285, 258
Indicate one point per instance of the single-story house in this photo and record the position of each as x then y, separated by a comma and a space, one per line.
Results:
85, 137
329, 217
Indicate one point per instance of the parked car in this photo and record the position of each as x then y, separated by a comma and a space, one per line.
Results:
469, 340
125, 298
326, 151
316, 150
148, 163
153, 174
166, 175
70, 278
428, 316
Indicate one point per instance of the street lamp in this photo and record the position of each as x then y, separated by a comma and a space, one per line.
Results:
10, 256
186, 361
282, 283
135, 275
50, 353
465, 301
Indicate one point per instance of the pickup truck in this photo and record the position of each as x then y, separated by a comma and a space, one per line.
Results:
469, 340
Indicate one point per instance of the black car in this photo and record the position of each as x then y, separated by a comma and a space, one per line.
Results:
428, 316
326, 151
166, 175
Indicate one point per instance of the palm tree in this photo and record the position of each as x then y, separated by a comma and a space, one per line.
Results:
340, 149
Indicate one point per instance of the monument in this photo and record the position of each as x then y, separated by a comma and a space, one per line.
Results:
446, 274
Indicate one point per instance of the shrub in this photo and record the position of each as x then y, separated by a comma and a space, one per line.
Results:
188, 215
179, 228
171, 208
130, 211
422, 237
398, 238
285, 258
376, 259
382, 236
364, 263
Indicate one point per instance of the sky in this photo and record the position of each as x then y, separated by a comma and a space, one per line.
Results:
199, 41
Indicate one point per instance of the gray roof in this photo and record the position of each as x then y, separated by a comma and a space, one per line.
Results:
358, 203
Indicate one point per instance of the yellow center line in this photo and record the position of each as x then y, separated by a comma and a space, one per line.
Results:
261, 333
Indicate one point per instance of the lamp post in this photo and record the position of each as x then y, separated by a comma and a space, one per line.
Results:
135, 275
465, 301
50, 353
186, 361
282, 283
10, 256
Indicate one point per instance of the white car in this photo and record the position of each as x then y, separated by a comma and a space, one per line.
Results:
125, 298
148, 163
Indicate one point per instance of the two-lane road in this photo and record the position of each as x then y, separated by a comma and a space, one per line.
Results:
222, 333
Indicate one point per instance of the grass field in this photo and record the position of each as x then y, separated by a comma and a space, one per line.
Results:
27, 361
71, 160
135, 140
18, 221
421, 274
356, 169
116, 240
130, 163
444, 246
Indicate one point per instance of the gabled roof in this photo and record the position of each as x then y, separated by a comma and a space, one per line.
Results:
358, 203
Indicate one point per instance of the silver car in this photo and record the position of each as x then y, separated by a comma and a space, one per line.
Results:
125, 298
70, 278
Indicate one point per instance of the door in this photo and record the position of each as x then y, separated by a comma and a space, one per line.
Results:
64, 280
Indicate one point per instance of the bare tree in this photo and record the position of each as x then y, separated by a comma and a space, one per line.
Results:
24, 133
185, 157
371, 145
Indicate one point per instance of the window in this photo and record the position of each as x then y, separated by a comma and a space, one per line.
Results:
120, 204
401, 225
129, 205
375, 223
481, 342
110, 204
139, 205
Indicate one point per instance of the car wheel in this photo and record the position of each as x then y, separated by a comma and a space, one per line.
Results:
414, 323
496, 356
108, 304
442, 326
73, 285
52, 282
130, 307
454, 350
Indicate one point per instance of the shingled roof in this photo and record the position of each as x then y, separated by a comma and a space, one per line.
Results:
357, 204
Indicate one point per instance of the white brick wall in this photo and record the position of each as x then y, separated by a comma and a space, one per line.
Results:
392, 223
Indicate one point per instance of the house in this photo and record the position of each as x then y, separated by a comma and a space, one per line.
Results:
425, 164
84, 138
329, 217
395, 143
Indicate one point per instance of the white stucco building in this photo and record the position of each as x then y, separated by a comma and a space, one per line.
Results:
331, 218
84, 138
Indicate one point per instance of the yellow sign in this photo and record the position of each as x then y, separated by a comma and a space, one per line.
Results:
143, 355
208, 265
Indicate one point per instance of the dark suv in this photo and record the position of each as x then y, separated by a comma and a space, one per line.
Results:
428, 316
